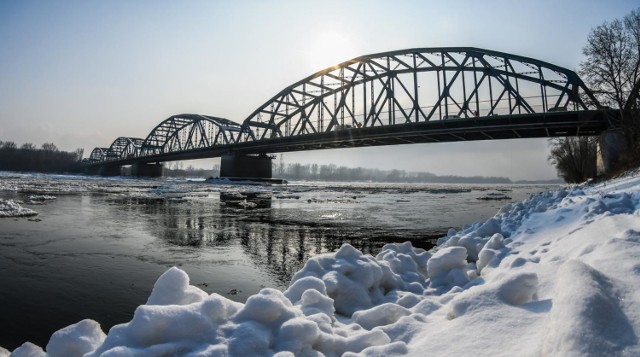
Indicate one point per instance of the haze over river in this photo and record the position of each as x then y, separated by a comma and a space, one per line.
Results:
95, 250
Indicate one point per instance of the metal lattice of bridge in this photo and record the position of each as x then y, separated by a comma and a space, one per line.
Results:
398, 97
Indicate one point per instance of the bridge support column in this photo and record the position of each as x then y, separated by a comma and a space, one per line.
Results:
109, 170
246, 166
147, 170
611, 144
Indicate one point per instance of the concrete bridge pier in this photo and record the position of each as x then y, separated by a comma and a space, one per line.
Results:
611, 144
147, 170
246, 166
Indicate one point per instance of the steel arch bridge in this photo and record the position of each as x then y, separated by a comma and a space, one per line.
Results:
399, 97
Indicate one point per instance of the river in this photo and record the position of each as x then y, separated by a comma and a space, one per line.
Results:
96, 250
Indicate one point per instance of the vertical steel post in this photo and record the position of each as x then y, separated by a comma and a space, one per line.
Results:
416, 105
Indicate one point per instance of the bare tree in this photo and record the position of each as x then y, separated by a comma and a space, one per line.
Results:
611, 69
574, 158
612, 65
28, 146
49, 147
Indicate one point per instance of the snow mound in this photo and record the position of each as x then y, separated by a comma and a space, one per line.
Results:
586, 314
9, 208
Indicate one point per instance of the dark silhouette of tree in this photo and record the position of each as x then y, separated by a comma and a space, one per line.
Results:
46, 159
49, 147
611, 68
574, 158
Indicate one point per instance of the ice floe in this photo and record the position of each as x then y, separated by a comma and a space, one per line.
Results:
10, 208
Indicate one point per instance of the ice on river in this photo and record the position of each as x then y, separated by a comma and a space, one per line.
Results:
556, 274
10, 208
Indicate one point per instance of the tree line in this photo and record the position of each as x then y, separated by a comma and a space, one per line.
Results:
612, 71
332, 172
48, 158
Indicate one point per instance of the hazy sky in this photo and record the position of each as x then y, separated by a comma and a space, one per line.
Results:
82, 73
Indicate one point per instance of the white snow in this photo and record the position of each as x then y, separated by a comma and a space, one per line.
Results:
557, 274
10, 208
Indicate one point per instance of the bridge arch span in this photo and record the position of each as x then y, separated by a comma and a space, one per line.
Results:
98, 155
124, 148
190, 131
418, 85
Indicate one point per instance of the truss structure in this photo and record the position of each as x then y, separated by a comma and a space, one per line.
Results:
418, 85
387, 95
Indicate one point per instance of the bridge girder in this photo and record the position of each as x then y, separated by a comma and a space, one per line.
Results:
417, 85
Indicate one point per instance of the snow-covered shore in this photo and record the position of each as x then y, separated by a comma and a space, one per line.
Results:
557, 274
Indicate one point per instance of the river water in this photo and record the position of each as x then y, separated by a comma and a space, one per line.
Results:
96, 250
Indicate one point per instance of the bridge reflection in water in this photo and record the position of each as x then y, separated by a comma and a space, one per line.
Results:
276, 242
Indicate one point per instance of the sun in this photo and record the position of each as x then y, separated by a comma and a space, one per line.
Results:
328, 49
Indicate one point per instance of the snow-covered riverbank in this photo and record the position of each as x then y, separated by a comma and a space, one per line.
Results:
557, 274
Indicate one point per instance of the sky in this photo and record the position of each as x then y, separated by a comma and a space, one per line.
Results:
82, 73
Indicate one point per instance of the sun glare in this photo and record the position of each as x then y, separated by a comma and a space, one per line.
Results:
329, 49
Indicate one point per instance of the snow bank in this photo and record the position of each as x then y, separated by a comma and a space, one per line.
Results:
556, 274
9, 208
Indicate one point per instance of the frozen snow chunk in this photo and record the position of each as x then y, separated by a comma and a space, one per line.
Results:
354, 281
172, 288
489, 228
586, 318
380, 315
473, 244
250, 339
485, 256
408, 262
76, 340
348, 252
168, 329
269, 307
314, 302
295, 290
518, 289
28, 349
398, 348
426, 307
495, 242
446, 259
409, 300
218, 308
298, 336
336, 345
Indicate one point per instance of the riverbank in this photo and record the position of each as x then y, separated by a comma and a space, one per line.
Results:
556, 274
